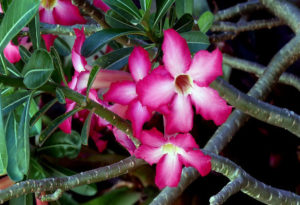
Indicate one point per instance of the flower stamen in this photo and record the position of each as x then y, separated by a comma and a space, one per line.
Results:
183, 83
48, 4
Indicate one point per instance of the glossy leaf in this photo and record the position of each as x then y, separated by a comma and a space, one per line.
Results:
22, 200
91, 79
58, 65
62, 145
24, 53
23, 138
34, 32
42, 111
184, 7
11, 101
100, 38
162, 6
86, 129
184, 24
9, 66
37, 127
36, 170
116, 21
18, 15
13, 170
60, 96
62, 47
145, 4
205, 21
114, 60
38, 69
3, 150
196, 40
54, 125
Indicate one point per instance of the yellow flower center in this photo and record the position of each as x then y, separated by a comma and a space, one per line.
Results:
48, 4
170, 148
183, 83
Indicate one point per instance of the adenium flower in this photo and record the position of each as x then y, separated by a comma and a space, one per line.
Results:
101, 5
11, 53
124, 92
170, 153
54, 12
182, 82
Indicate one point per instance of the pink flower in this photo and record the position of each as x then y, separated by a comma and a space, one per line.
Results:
61, 12
183, 82
11, 52
101, 5
79, 61
170, 154
124, 92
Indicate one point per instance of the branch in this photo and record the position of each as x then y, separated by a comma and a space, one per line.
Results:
215, 38
66, 183
286, 11
258, 70
258, 109
243, 26
238, 9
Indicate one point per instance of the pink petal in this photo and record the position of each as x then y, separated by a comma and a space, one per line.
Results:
206, 67
138, 115
176, 53
139, 63
119, 109
46, 16
185, 141
168, 171
156, 90
124, 140
73, 83
121, 92
66, 126
210, 105
152, 138
11, 53
82, 81
101, 145
101, 5
180, 118
1, 11
49, 40
79, 62
150, 154
104, 78
196, 159
65, 13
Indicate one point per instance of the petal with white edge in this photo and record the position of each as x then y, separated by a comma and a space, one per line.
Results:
121, 92
150, 154
139, 63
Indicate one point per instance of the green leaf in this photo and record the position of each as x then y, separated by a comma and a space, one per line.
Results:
22, 200
62, 47
184, 7
5, 4
145, 4
114, 60
17, 16
91, 79
58, 65
162, 6
9, 66
23, 139
36, 170
3, 150
100, 38
57, 171
34, 32
205, 21
62, 145
37, 127
86, 128
125, 8
118, 196
54, 125
24, 53
184, 24
13, 170
116, 21
196, 40
60, 96
38, 69
41, 112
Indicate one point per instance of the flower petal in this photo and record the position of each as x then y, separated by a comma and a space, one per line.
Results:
196, 159
101, 5
206, 67
119, 109
11, 53
104, 78
124, 140
66, 126
121, 92
210, 105
49, 40
176, 53
46, 16
153, 138
79, 62
138, 115
180, 118
139, 63
168, 171
64, 7
150, 154
156, 90
185, 141
82, 81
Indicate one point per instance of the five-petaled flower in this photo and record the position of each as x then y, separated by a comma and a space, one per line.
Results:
183, 81
170, 153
